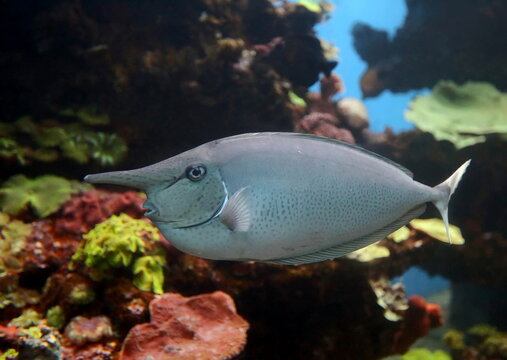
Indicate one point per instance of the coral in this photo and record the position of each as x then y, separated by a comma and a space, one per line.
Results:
203, 326
89, 115
114, 242
13, 295
425, 354
124, 242
369, 253
482, 342
41, 342
149, 273
353, 113
461, 114
81, 330
420, 318
322, 124
107, 149
13, 234
44, 194
391, 298
400, 235
81, 294
29, 318
10, 354
55, 317
48, 140
436, 229
86, 209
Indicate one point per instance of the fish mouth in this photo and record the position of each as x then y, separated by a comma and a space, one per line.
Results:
152, 210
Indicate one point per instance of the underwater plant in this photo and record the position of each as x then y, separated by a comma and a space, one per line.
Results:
44, 195
124, 242
461, 114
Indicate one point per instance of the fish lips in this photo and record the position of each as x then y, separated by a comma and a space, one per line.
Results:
152, 211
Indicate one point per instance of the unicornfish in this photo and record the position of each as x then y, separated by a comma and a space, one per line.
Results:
279, 197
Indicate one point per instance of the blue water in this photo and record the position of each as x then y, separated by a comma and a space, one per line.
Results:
386, 109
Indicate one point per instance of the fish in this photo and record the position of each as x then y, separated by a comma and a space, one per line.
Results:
283, 198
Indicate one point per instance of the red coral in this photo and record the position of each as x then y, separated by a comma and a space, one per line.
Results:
83, 211
204, 327
420, 318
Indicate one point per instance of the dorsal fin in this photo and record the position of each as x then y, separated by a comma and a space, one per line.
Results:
327, 140
350, 246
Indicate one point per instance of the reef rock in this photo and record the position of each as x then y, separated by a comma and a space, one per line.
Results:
202, 327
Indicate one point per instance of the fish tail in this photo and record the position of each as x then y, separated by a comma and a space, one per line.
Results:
444, 192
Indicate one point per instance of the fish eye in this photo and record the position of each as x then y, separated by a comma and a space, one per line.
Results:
195, 172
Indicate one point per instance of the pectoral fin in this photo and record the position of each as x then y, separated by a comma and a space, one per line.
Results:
236, 214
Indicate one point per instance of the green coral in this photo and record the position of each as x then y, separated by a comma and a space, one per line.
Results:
44, 194
27, 319
82, 294
296, 100
10, 354
49, 140
425, 354
55, 317
436, 229
461, 114
107, 149
13, 234
483, 339
124, 242
149, 273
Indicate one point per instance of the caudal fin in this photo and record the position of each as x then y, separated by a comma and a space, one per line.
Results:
444, 192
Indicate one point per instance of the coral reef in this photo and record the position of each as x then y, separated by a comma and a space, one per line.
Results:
203, 68
200, 327
463, 115
431, 45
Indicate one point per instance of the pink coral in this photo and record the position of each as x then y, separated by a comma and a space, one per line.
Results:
204, 327
323, 124
83, 211
82, 330
420, 318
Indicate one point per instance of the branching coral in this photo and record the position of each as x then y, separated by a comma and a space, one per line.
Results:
44, 194
461, 114
124, 242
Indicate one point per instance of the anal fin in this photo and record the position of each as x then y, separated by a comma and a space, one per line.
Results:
352, 245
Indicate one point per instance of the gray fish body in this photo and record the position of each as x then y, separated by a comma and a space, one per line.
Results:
277, 197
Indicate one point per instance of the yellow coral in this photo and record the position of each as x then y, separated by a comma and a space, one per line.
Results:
436, 229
